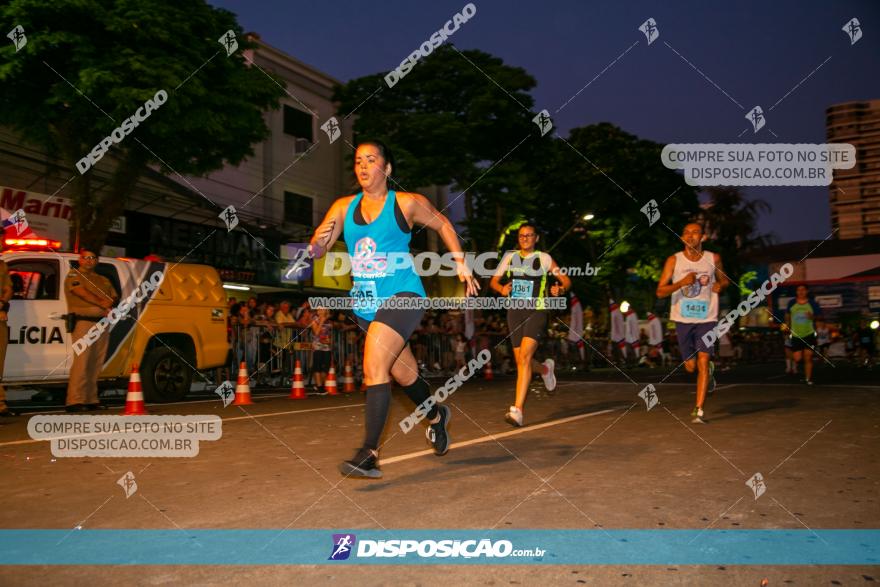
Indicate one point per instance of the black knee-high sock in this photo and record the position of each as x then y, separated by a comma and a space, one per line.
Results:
378, 401
418, 392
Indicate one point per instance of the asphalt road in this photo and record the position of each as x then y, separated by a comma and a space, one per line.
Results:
591, 456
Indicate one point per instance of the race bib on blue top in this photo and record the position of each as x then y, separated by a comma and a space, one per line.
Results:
521, 288
365, 296
698, 309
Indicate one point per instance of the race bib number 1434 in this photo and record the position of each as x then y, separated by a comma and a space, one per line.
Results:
694, 308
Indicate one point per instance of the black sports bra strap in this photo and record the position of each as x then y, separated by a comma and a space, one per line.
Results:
398, 215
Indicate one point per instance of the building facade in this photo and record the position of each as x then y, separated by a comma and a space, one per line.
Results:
296, 173
843, 276
280, 194
855, 193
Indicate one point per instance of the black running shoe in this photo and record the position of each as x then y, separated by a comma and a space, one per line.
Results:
364, 464
437, 434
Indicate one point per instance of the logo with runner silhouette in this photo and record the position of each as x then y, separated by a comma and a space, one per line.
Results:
343, 544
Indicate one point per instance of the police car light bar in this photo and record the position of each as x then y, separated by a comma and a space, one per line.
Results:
32, 242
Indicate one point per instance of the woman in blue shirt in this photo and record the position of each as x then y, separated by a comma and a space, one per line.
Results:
376, 225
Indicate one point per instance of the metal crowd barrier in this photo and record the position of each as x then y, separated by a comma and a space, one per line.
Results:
271, 352
435, 352
346, 346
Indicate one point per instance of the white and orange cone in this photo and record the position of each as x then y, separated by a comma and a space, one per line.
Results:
242, 387
348, 378
297, 388
330, 384
134, 398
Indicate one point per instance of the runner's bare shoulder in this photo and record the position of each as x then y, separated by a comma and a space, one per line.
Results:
343, 203
407, 199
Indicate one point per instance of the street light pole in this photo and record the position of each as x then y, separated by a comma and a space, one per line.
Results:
584, 218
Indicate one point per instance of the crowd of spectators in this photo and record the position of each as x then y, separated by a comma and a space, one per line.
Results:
269, 336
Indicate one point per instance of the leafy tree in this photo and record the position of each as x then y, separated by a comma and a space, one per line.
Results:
730, 221
448, 124
502, 196
603, 170
85, 56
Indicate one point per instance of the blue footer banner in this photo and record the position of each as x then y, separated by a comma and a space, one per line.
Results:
407, 547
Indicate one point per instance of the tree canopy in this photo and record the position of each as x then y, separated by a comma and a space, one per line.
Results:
89, 65
464, 118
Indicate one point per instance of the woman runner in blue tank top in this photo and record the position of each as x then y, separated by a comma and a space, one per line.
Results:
376, 225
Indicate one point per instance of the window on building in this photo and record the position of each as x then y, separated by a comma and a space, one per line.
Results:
298, 123
297, 209
850, 219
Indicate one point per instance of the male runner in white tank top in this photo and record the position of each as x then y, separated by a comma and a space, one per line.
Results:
696, 278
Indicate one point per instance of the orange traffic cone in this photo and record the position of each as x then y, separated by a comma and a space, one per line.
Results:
348, 378
297, 388
487, 372
134, 398
242, 387
330, 383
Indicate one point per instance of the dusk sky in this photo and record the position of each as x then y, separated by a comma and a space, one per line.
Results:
755, 52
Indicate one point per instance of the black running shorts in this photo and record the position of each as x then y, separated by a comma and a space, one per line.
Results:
804, 343
403, 322
530, 323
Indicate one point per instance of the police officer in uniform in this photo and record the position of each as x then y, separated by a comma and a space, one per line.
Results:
90, 297
5, 296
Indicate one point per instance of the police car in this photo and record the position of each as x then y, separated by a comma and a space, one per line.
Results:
170, 330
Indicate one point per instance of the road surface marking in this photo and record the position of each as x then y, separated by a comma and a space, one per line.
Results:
488, 437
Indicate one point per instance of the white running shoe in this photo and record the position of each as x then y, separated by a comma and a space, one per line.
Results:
550, 377
514, 416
